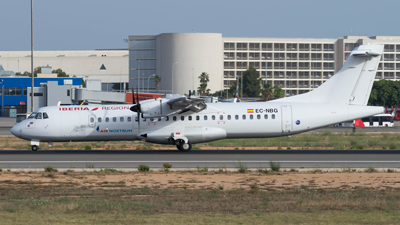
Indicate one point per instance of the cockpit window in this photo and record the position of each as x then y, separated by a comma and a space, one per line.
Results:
33, 115
38, 115
45, 116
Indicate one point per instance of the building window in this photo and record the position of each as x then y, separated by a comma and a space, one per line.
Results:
291, 56
279, 65
329, 47
229, 65
388, 57
316, 65
329, 56
266, 65
12, 91
291, 65
254, 56
254, 46
316, 47
304, 56
241, 55
388, 66
291, 47
304, 47
229, 46
304, 65
279, 74
389, 48
304, 75
255, 65
350, 46
328, 66
316, 56
241, 46
279, 47
266, 46
241, 65
267, 56
279, 56
229, 55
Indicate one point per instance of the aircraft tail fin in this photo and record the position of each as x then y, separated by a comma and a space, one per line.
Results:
352, 84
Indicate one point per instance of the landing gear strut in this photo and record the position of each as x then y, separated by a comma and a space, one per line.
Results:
184, 147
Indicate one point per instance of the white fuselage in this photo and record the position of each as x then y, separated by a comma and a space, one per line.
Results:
218, 121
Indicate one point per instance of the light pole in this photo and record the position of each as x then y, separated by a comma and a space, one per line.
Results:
173, 77
148, 81
86, 77
120, 78
2, 97
108, 80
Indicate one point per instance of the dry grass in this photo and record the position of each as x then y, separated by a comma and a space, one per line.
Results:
324, 140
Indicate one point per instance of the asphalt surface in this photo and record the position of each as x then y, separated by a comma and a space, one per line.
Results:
200, 158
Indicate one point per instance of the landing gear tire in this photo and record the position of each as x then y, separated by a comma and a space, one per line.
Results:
184, 147
35, 148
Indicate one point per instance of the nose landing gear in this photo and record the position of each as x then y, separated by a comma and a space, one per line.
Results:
35, 148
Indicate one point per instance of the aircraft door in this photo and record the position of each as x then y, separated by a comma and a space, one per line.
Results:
286, 118
92, 120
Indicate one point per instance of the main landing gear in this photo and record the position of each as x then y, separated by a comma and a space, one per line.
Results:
183, 146
35, 148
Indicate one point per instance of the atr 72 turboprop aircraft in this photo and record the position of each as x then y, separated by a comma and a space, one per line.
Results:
184, 121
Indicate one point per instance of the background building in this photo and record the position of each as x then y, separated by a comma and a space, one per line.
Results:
109, 66
296, 65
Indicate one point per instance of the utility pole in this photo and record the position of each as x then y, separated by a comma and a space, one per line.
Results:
32, 75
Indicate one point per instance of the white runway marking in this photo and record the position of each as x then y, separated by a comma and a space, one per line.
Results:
200, 161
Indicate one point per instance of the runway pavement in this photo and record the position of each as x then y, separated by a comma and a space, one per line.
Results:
200, 158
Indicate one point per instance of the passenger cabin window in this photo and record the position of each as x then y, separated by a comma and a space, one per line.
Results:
221, 117
121, 119
174, 118
244, 117
99, 119
229, 117
251, 117
107, 119
136, 119
190, 117
92, 120
114, 119
236, 117
45, 116
182, 118
151, 119
273, 116
205, 117
167, 118
265, 116
197, 117
213, 117
129, 119
38, 116
159, 118
258, 116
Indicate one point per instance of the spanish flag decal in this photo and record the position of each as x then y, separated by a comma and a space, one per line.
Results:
250, 110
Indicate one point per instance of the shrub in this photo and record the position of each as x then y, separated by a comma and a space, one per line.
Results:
293, 170
108, 170
88, 147
50, 169
371, 170
1, 169
275, 166
143, 168
205, 169
89, 165
390, 170
167, 165
241, 167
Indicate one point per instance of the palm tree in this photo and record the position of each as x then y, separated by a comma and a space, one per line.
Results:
267, 91
204, 79
157, 80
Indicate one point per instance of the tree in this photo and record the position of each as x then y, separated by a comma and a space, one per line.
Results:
268, 91
278, 92
385, 93
60, 73
35, 72
157, 80
251, 82
204, 79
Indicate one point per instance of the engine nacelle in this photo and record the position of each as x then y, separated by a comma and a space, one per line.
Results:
193, 134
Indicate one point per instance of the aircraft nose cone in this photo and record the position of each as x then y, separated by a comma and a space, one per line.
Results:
16, 131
